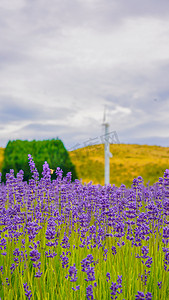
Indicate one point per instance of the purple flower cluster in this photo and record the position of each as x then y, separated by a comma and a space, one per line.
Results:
28, 292
166, 259
49, 217
64, 259
141, 296
87, 268
50, 253
34, 257
114, 251
73, 273
33, 169
146, 260
89, 292
76, 288
115, 287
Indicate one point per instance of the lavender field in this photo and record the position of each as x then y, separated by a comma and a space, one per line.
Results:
67, 240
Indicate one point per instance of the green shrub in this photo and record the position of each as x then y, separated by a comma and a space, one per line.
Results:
52, 151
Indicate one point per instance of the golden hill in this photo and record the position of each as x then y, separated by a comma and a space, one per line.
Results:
127, 163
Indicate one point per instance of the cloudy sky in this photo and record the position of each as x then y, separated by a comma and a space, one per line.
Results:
63, 61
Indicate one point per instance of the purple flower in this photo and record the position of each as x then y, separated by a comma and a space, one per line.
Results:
7, 281
166, 259
38, 274
119, 279
90, 274
13, 267
144, 251
59, 174
65, 261
105, 254
16, 252
90, 258
108, 276
89, 292
77, 288
28, 293
140, 296
35, 255
33, 168
50, 254
92, 229
73, 273
65, 242
85, 263
148, 296
148, 262
166, 232
114, 287
50, 233
37, 265
3, 243
113, 250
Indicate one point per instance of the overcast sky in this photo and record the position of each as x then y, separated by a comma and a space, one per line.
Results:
62, 61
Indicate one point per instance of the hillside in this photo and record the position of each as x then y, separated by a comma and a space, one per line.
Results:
128, 162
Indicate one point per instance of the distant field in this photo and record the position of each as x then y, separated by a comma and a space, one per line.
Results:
127, 163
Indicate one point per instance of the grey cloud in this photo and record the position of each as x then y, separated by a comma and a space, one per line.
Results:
59, 16
14, 110
11, 57
42, 131
52, 51
44, 128
53, 18
142, 8
151, 128
17, 110
151, 140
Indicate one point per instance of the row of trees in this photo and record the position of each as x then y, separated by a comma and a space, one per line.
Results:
52, 151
